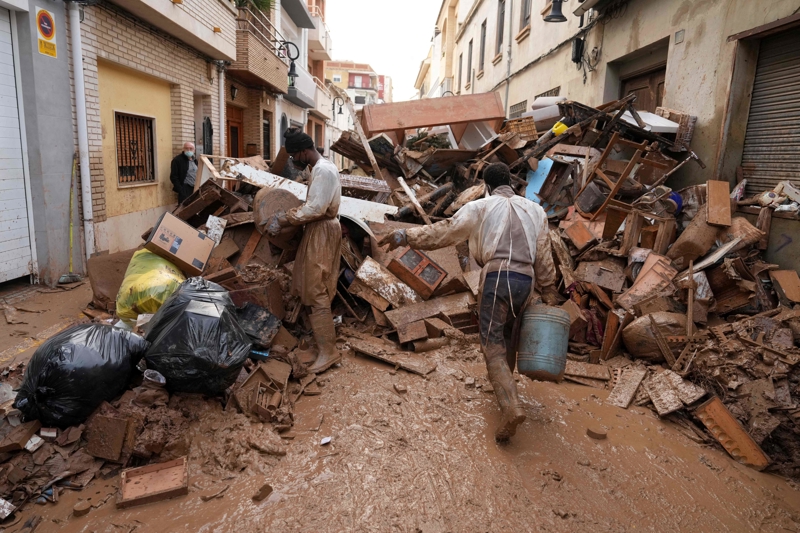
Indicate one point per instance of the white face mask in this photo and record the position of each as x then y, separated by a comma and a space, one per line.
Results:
189, 154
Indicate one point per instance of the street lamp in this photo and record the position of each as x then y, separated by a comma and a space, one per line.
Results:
341, 103
555, 14
286, 47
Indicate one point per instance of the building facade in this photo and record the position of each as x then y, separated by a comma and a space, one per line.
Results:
117, 87
733, 64
360, 81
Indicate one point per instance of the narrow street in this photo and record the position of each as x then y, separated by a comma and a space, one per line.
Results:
426, 461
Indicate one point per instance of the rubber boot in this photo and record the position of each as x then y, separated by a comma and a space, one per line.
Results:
325, 335
505, 389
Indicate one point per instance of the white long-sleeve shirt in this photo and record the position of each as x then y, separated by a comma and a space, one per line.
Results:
505, 231
324, 196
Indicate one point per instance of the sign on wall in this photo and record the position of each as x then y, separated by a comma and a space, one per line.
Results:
46, 26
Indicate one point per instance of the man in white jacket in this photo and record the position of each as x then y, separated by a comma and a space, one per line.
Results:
508, 237
316, 266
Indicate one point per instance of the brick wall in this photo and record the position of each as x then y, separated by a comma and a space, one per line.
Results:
112, 34
253, 56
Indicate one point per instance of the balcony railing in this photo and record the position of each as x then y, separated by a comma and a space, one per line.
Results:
260, 26
323, 100
320, 47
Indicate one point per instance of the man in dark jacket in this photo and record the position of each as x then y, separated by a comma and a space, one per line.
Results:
183, 172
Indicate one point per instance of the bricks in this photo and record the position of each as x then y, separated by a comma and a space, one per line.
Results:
730, 433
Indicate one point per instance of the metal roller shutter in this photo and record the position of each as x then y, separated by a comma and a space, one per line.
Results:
15, 244
772, 143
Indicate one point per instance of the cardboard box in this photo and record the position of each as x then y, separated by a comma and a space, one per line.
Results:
178, 242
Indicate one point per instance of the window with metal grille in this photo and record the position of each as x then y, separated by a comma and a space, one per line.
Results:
516, 110
551, 92
135, 149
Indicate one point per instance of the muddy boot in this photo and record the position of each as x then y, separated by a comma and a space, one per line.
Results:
325, 335
505, 389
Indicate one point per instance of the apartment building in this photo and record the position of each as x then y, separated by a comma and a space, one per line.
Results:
126, 83
360, 81
121, 83
735, 65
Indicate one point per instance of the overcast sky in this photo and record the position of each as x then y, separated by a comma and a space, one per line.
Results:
391, 35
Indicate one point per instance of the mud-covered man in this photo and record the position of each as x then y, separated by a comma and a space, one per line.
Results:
316, 267
508, 237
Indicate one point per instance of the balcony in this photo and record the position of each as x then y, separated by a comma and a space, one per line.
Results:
302, 92
258, 60
320, 47
194, 23
323, 102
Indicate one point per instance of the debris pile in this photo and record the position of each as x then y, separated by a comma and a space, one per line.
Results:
671, 305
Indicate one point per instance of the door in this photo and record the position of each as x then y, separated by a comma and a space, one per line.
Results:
648, 88
235, 122
267, 135
772, 140
15, 243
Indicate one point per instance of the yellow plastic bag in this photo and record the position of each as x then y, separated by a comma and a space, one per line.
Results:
149, 281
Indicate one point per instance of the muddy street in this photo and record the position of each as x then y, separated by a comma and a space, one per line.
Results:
425, 460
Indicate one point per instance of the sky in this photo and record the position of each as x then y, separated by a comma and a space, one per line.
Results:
393, 36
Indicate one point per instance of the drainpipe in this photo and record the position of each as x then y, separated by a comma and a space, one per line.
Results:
221, 83
510, 39
83, 132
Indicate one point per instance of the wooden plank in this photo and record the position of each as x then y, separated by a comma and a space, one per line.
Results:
453, 304
360, 289
764, 223
387, 353
664, 397
580, 235
625, 389
587, 370
413, 331
413, 198
730, 433
612, 349
413, 114
387, 285
787, 285
250, 247
663, 346
719, 202
153, 483
280, 162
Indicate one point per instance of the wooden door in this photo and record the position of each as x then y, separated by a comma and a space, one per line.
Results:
648, 88
235, 127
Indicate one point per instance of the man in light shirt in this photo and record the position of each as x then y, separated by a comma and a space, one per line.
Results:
316, 266
508, 236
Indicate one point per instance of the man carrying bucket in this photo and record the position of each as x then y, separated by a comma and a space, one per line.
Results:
508, 237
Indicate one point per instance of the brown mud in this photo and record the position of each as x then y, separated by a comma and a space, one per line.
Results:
425, 460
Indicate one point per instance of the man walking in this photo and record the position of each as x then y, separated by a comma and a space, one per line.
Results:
183, 172
508, 237
316, 266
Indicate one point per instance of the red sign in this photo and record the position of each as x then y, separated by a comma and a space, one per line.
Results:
47, 26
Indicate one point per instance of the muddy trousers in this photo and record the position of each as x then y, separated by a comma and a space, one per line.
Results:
502, 302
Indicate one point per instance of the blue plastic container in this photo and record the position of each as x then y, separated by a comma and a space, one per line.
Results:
543, 343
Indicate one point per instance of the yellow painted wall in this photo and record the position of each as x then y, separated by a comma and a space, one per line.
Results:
128, 91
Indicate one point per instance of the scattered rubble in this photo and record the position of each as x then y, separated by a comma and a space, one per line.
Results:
670, 302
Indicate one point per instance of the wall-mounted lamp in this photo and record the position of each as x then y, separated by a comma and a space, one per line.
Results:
555, 14
285, 48
234, 92
341, 103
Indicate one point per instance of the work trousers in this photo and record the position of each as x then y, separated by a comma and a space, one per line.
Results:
502, 302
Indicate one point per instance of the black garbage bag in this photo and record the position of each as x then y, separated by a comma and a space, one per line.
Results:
72, 373
196, 341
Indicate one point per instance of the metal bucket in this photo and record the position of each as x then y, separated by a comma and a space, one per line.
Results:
543, 343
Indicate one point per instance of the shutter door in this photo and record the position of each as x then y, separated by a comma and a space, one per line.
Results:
772, 143
15, 244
